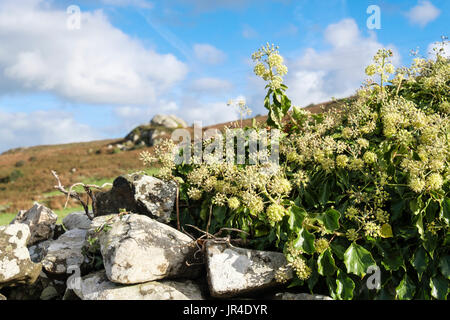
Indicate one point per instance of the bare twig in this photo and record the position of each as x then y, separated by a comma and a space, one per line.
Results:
73, 194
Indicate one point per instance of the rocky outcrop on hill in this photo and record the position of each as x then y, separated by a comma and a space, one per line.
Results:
159, 128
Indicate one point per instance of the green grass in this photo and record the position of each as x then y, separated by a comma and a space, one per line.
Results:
6, 218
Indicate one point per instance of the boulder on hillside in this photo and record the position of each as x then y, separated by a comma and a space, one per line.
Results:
236, 271
16, 267
137, 249
96, 286
138, 193
41, 221
160, 127
168, 121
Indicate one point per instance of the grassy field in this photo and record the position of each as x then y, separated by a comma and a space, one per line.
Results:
6, 218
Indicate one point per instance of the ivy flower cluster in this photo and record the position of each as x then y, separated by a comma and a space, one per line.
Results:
270, 65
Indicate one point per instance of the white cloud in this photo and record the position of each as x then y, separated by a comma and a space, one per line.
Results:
317, 76
210, 85
95, 64
209, 54
132, 3
132, 116
423, 13
20, 129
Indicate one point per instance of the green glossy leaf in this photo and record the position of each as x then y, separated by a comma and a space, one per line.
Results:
338, 249
314, 277
330, 219
419, 225
392, 260
420, 261
430, 242
406, 289
439, 287
445, 213
325, 263
444, 266
345, 286
219, 213
305, 241
357, 260
296, 217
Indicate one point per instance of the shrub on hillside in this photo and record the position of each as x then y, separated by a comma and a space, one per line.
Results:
361, 189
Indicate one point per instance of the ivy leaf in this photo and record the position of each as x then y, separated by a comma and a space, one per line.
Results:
444, 266
419, 225
406, 289
345, 286
305, 241
325, 263
445, 213
386, 231
219, 213
439, 287
357, 260
330, 219
430, 242
420, 261
338, 249
296, 217
392, 260
314, 277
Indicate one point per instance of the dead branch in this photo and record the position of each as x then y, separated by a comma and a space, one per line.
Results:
73, 194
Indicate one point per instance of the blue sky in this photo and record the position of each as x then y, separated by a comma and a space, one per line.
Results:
130, 60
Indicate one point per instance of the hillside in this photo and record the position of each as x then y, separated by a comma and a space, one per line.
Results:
25, 173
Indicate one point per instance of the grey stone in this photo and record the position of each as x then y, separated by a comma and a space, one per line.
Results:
137, 249
39, 250
65, 252
41, 221
49, 293
300, 296
76, 220
16, 266
138, 193
234, 271
96, 286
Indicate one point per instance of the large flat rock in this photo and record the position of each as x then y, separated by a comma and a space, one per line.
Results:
96, 286
137, 249
235, 271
